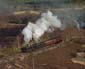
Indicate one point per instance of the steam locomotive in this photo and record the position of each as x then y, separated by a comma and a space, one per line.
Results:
41, 45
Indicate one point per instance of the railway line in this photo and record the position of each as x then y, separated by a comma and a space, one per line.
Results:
54, 46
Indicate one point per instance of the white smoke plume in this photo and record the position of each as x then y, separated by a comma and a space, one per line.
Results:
27, 32
47, 22
37, 32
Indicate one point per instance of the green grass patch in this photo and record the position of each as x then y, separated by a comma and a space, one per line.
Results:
9, 51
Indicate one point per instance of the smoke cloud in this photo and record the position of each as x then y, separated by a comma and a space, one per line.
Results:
46, 23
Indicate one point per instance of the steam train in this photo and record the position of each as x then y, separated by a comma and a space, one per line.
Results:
41, 45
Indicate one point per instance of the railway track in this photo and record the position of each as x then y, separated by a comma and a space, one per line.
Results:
49, 48
45, 49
